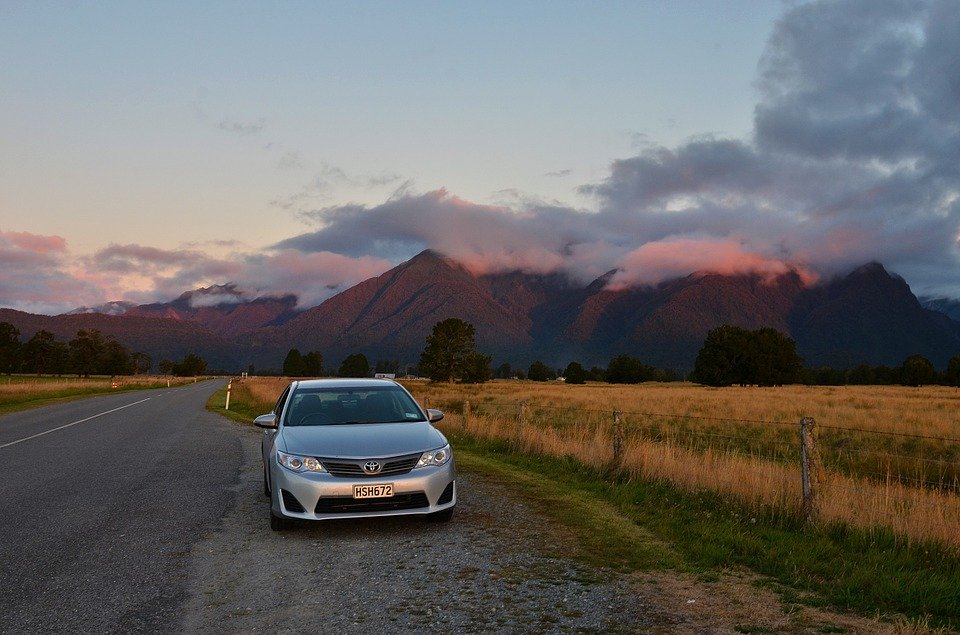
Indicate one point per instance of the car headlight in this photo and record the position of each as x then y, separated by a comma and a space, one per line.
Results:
296, 463
435, 457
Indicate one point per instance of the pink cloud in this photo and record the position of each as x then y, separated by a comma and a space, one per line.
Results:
34, 242
673, 258
35, 275
311, 277
24, 248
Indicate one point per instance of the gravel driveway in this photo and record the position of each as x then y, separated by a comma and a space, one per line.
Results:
489, 569
498, 567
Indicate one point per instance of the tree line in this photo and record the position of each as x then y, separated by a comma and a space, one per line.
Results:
89, 353
729, 356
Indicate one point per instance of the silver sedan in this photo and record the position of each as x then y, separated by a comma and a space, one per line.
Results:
353, 448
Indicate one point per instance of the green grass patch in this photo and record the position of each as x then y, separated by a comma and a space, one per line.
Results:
604, 537
654, 525
240, 410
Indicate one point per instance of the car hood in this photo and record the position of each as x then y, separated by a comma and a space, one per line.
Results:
360, 441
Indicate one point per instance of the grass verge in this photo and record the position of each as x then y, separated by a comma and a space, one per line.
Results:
635, 526
29, 400
241, 410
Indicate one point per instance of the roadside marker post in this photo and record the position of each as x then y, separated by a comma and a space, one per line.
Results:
229, 386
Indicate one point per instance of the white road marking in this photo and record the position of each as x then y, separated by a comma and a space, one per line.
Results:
67, 425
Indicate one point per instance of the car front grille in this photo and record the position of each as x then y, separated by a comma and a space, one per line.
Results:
346, 505
353, 468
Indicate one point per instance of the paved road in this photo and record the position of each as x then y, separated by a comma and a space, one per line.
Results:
101, 501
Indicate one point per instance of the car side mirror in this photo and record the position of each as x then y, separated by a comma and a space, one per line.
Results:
268, 420
434, 415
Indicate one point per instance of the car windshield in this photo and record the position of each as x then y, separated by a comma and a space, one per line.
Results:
340, 406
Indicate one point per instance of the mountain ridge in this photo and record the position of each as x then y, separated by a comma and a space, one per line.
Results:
868, 316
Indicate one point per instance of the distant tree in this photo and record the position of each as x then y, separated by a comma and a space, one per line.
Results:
953, 371
10, 348
191, 366
775, 359
886, 376
732, 355
628, 370
355, 365
447, 349
293, 364
476, 368
862, 375
165, 366
917, 370
723, 359
575, 374
39, 353
520, 374
86, 350
597, 374
141, 362
114, 359
503, 371
313, 364
539, 371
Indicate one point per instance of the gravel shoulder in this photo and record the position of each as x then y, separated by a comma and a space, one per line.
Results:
497, 567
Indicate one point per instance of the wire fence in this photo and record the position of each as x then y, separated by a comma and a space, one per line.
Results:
909, 483
883, 458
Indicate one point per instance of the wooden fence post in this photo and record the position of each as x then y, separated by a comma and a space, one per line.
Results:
810, 468
466, 413
617, 438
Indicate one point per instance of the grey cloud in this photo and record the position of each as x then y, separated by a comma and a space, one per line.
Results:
854, 155
488, 238
291, 161
131, 258
244, 129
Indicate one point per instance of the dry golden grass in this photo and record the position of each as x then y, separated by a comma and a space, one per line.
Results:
260, 392
741, 442
929, 410
20, 386
744, 442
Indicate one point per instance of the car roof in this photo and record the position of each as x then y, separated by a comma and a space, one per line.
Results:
342, 383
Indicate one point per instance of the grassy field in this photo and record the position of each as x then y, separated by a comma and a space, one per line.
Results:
19, 392
711, 478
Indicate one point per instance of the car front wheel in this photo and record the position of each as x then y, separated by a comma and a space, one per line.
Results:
279, 524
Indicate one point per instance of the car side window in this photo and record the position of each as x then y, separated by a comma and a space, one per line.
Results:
279, 407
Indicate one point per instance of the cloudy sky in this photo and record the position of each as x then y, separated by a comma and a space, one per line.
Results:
153, 148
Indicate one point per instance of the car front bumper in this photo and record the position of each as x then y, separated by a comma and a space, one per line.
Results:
322, 496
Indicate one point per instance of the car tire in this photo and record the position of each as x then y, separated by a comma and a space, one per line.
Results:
441, 516
279, 524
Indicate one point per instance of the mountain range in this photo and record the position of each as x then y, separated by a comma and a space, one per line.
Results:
868, 316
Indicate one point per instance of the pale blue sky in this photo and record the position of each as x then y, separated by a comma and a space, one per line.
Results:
117, 116
152, 148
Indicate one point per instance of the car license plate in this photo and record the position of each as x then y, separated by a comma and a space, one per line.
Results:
380, 490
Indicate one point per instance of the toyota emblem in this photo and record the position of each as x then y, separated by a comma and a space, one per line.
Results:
371, 467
